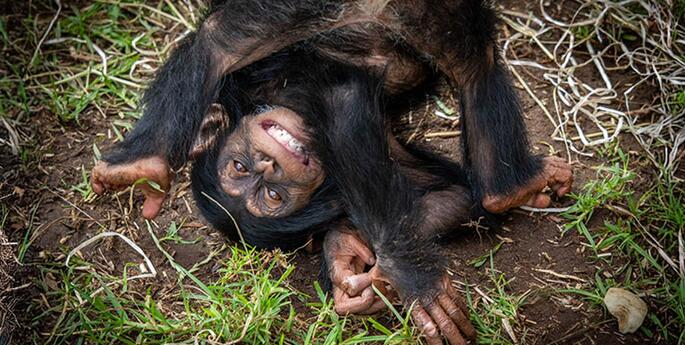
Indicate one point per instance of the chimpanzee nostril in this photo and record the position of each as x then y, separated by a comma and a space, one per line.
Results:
265, 164
262, 157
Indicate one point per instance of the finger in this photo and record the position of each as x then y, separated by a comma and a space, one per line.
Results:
344, 304
563, 190
340, 270
375, 307
127, 174
446, 325
459, 318
567, 184
152, 205
539, 200
117, 174
354, 284
363, 252
555, 186
98, 187
457, 299
425, 323
95, 182
561, 176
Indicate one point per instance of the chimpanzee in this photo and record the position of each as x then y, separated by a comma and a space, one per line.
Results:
331, 129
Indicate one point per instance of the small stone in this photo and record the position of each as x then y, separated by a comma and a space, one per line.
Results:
629, 309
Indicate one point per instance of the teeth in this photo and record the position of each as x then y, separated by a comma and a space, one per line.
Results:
294, 144
286, 139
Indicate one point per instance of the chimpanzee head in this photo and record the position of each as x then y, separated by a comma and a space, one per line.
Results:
256, 156
265, 161
262, 171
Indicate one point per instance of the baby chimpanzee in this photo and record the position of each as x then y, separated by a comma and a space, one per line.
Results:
284, 180
267, 165
262, 156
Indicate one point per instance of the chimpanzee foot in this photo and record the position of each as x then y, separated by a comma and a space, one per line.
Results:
106, 177
556, 174
446, 314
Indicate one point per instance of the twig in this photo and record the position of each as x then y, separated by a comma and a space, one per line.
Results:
150, 267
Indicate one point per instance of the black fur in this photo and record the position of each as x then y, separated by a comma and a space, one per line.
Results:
288, 232
174, 107
349, 128
341, 105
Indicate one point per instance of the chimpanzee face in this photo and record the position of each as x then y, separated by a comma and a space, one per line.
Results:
266, 162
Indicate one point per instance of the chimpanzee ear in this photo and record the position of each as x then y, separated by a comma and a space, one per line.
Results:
214, 123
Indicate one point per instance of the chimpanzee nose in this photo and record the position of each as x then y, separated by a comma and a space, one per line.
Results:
264, 164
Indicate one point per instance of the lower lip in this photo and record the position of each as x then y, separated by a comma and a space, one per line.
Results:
266, 124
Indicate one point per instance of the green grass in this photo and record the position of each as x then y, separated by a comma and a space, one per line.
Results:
249, 302
69, 75
84, 187
612, 187
678, 101
500, 307
638, 246
583, 32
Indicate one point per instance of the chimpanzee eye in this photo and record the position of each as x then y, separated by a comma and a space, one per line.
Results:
273, 195
239, 167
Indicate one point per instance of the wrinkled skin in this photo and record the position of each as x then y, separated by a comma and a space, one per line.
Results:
446, 314
556, 174
347, 257
256, 163
106, 177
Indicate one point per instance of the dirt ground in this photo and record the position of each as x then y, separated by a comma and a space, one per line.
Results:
534, 256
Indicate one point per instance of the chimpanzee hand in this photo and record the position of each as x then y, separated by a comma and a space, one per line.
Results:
556, 174
151, 174
347, 257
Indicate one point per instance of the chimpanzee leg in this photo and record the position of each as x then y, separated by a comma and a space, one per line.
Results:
234, 35
502, 170
381, 203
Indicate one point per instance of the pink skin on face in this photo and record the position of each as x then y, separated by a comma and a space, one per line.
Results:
274, 147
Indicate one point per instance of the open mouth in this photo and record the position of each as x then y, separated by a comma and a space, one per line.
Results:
287, 140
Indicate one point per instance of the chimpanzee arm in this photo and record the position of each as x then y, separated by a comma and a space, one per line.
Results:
445, 205
346, 257
381, 203
237, 33
462, 44
234, 35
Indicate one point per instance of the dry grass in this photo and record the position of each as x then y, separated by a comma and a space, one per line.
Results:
641, 40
